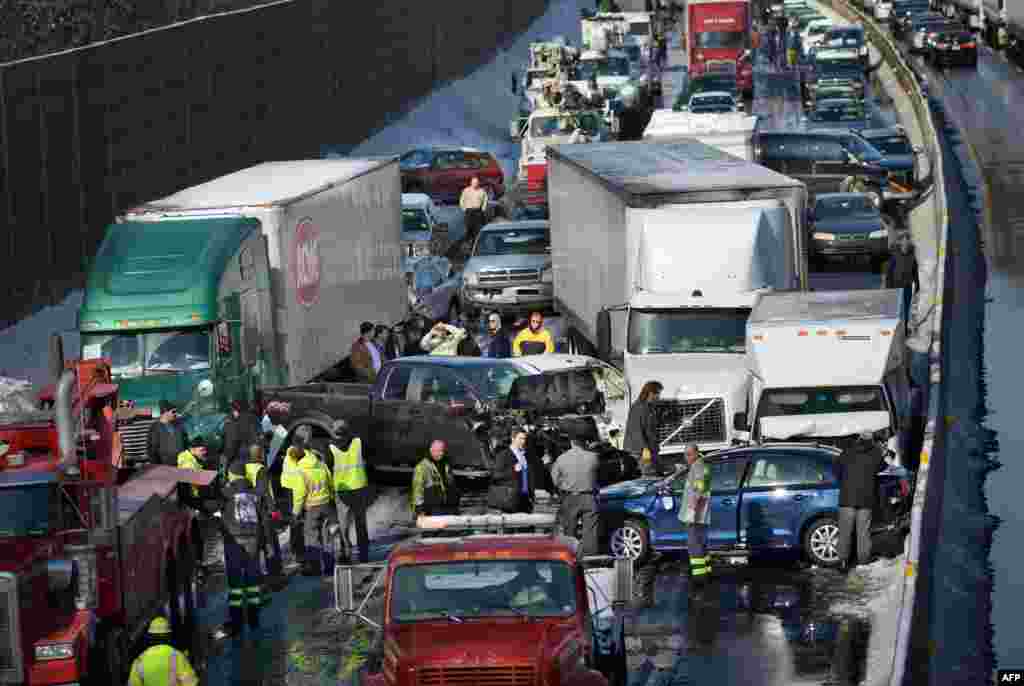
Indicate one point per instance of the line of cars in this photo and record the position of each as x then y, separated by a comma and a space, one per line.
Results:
941, 40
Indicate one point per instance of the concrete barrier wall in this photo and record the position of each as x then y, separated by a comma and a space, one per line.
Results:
930, 229
88, 133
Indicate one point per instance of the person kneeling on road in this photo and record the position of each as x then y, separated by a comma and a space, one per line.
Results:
161, 664
242, 521
312, 501
575, 476
434, 491
696, 513
351, 488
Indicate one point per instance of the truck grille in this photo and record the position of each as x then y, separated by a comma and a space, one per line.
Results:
133, 439
10, 653
510, 276
523, 675
709, 427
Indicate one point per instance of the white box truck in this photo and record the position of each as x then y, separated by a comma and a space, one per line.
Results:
731, 132
682, 238
826, 365
258, 277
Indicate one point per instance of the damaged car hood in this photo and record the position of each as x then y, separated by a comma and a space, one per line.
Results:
823, 425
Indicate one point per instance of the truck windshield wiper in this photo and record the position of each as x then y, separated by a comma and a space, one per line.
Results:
504, 608
441, 612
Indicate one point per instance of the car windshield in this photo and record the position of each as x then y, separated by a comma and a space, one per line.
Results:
830, 93
461, 591
892, 145
414, 220
838, 112
514, 242
542, 127
817, 29
787, 402
860, 147
713, 100
528, 212
492, 382
133, 354
711, 109
845, 39
29, 510
610, 66
693, 331
730, 40
845, 206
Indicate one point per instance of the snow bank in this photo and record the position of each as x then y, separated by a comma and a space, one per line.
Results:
24, 349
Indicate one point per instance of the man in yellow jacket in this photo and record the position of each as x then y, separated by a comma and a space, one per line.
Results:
311, 500
161, 664
351, 487
534, 339
291, 480
192, 496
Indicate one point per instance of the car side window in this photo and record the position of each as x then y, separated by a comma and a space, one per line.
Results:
786, 470
831, 151
445, 160
416, 158
443, 386
775, 149
725, 476
397, 382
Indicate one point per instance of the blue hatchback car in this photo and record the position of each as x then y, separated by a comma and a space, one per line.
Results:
779, 497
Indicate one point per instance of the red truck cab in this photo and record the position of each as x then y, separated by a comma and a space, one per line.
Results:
494, 609
717, 32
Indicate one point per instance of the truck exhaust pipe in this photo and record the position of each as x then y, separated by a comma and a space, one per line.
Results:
65, 425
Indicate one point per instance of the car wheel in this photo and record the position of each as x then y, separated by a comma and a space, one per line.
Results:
821, 542
631, 540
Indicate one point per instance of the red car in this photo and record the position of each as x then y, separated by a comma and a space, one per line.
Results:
442, 173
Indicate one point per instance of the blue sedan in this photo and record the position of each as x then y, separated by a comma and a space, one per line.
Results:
781, 497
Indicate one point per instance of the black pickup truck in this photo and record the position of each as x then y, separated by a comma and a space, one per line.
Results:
456, 399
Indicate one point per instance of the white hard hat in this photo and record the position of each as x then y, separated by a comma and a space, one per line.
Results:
205, 388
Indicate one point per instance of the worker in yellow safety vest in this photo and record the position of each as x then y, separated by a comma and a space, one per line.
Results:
192, 496
291, 480
351, 487
256, 473
161, 664
193, 459
311, 500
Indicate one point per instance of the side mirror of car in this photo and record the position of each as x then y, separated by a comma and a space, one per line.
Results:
739, 421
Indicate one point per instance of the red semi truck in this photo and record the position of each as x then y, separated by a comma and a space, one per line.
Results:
718, 39
87, 559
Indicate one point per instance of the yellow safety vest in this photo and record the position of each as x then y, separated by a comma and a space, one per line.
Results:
316, 487
291, 477
186, 460
252, 472
349, 468
162, 665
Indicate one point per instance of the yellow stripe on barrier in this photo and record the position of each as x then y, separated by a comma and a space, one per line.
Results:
925, 457
911, 569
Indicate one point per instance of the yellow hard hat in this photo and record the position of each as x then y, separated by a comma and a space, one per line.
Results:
160, 627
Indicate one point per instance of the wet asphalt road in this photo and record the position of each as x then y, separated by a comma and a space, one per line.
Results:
758, 625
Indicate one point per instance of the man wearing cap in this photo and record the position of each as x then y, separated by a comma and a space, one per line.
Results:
495, 343
857, 490
351, 487
166, 438
161, 664
575, 476
242, 520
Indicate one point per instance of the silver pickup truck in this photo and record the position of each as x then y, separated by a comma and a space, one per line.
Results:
509, 269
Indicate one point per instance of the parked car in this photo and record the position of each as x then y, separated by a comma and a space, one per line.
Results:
840, 92
954, 47
509, 269
423, 233
772, 498
932, 32
814, 32
845, 225
712, 102
847, 37
916, 27
900, 158
443, 172
822, 159
704, 84
437, 285
903, 12
838, 113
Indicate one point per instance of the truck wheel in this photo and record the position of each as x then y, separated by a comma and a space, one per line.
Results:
821, 542
631, 540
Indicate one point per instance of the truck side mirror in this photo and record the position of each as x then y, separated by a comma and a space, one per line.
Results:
604, 335
739, 421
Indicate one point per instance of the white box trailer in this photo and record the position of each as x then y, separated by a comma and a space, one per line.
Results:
826, 365
731, 132
682, 238
324, 256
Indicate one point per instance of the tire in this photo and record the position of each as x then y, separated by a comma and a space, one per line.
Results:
631, 540
821, 542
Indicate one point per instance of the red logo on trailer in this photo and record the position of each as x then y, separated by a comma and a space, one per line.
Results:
306, 262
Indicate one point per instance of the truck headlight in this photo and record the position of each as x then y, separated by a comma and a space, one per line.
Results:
881, 233
824, 236
55, 651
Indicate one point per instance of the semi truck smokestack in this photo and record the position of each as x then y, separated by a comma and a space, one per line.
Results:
65, 427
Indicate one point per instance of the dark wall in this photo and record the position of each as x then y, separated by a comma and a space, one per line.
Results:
87, 134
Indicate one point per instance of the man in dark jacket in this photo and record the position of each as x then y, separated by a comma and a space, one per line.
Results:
857, 493
241, 430
642, 429
495, 343
513, 468
242, 519
903, 273
434, 491
166, 438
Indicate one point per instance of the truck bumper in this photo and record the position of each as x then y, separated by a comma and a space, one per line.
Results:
509, 299
874, 247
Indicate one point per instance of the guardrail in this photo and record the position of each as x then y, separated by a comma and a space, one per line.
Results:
929, 309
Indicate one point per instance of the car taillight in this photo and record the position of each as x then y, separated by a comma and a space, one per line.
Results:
968, 45
904, 488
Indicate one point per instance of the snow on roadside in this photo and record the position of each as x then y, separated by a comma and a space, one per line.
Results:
24, 347
883, 581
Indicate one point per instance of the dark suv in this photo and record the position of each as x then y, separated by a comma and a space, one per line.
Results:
822, 159
442, 173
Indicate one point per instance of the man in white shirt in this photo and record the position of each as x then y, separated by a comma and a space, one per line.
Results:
473, 202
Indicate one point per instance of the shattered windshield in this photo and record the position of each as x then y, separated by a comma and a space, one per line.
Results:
691, 331
133, 354
465, 591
